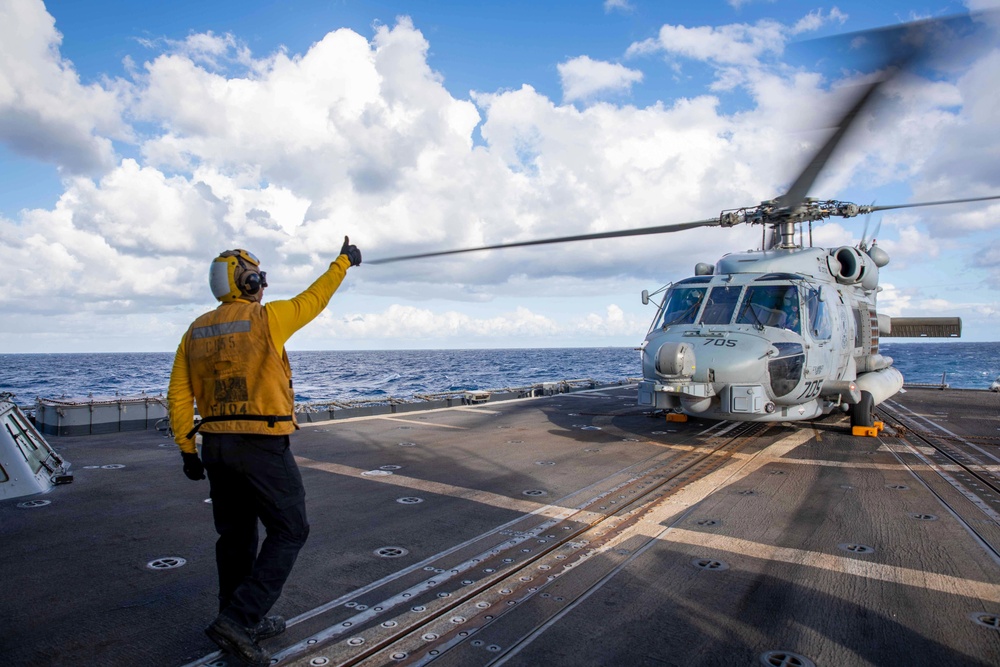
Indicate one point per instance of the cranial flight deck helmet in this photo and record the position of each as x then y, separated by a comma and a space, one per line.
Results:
236, 273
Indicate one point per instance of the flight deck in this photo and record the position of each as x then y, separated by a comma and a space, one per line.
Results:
574, 529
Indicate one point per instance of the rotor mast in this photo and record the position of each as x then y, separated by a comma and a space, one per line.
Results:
786, 231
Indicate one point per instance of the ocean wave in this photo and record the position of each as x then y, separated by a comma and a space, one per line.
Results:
353, 375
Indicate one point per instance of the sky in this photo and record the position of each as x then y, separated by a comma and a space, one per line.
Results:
139, 140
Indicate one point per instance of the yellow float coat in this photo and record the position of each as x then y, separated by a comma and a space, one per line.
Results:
232, 361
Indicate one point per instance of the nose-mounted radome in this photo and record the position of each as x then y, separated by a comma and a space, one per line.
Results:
675, 360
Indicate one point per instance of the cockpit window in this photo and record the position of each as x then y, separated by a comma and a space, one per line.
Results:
771, 306
820, 323
720, 305
681, 305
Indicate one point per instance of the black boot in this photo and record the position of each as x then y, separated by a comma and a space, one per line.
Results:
238, 641
269, 626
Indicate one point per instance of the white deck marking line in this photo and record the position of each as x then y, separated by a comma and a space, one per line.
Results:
438, 488
676, 448
723, 427
866, 466
422, 423
942, 583
476, 408
555, 513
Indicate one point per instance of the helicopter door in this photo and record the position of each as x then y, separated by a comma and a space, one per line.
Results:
818, 313
838, 322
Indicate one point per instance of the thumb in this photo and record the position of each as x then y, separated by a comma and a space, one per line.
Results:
346, 240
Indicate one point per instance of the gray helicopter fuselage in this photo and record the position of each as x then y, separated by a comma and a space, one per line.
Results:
775, 335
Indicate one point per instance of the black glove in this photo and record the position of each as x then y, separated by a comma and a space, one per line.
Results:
193, 467
351, 251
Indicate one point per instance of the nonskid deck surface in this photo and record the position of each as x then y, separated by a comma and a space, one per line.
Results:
566, 530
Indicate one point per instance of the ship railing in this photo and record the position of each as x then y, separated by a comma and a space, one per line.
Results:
98, 414
930, 385
454, 397
319, 406
106, 414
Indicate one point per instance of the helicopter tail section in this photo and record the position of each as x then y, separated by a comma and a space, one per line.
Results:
921, 327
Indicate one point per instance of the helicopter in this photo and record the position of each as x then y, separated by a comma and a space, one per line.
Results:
788, 331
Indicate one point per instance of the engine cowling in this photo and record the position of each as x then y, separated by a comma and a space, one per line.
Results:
850, 266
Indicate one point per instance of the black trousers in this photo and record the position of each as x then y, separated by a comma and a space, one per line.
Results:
254, 477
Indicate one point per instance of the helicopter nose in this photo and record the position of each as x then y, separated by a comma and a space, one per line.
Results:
735, 373
734, 358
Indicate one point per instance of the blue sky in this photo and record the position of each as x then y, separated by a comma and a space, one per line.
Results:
137, 141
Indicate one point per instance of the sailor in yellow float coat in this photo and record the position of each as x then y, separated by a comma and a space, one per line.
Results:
232, 362
282, 318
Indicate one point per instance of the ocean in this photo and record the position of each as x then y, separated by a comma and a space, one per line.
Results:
373, 375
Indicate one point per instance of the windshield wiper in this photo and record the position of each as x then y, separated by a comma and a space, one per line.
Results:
743, 311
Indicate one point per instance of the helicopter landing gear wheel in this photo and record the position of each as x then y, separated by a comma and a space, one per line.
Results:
863, 412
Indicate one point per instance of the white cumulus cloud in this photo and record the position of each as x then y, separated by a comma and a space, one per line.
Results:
46, 113
286, 153
583, 78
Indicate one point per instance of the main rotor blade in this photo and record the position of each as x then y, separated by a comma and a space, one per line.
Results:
900, 47
796, 194
869, 209
661, 229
